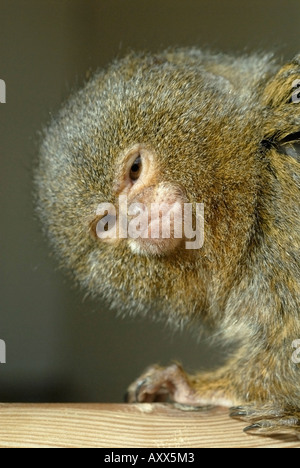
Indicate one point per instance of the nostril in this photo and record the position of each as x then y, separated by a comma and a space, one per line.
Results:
103, 223
106, 221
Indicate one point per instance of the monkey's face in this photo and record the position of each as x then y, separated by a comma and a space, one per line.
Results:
127, 155
148, 212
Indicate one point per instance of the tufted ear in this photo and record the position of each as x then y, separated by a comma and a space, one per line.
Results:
281, 100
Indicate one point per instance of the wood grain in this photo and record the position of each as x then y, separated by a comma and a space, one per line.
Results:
119, 425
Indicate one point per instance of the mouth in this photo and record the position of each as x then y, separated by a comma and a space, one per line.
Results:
153, 247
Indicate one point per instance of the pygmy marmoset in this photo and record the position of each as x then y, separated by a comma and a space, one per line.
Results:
186, 127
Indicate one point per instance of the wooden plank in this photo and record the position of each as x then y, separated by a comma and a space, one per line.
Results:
119, 425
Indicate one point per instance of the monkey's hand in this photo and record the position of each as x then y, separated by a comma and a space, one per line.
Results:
159, 384
162, 384
268, 419
173, 384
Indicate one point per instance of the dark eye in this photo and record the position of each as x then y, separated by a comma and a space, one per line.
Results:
136, 169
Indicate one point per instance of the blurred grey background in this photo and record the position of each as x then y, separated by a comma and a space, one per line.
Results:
61, 347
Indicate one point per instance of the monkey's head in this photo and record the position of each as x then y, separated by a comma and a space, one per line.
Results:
165, 130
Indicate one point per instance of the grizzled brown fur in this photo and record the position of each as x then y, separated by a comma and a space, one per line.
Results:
225, 129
